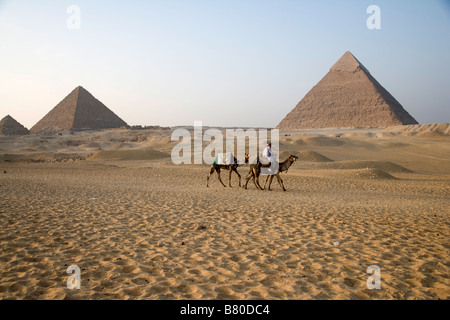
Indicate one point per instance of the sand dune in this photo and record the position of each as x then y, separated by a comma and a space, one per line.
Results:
367, 173
424, 129
92, 146
305, 155
324, 142
121, 146
361, 164
143, 154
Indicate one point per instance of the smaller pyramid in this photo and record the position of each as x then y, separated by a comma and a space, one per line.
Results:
10, 127
79, 111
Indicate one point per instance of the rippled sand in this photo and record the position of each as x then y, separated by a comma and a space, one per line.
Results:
152, 230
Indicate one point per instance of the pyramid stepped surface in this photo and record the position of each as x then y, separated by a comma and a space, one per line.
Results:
10, 127
78, 111
348, 96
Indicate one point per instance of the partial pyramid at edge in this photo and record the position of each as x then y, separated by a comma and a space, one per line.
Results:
348, 96
10, 127
80, 110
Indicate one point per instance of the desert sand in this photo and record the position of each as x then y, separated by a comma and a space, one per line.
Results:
140, 227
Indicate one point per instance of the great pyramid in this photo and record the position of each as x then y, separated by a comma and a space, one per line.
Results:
348, 96
78, 111
10, 127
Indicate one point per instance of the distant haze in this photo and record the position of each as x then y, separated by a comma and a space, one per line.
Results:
226, 63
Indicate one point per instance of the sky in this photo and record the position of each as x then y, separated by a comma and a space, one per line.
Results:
240, 63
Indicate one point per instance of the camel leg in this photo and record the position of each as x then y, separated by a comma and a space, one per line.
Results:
280, 181
256, 182
258, 186
235, 170
252, 176
211, 171
247, 179
229, 177
270, 183
267, 178
218, 176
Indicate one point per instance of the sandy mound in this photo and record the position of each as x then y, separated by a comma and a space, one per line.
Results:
41, 157
426, 130
386, 134
358, 164
353, 135
324, 142
40, 148
305, 155
121, 146
368, 173
312, 140
141, 154
292, 142
312, 156
92, 145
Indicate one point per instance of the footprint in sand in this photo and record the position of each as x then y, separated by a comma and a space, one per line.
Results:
350, 282
140, 281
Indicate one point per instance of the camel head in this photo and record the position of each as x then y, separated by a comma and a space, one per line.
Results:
293, 158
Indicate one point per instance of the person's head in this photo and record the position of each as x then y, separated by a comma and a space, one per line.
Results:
269, 144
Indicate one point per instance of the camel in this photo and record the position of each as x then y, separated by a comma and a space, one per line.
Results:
255, 171
283, 167
229, 167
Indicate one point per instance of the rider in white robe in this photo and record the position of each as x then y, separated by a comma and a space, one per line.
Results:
269, 155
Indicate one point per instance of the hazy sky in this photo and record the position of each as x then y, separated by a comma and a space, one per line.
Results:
226, 63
